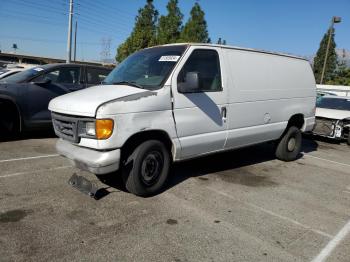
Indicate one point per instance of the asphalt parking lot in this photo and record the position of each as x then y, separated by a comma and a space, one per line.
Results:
237, 206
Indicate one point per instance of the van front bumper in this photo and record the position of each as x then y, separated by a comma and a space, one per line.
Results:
97, 162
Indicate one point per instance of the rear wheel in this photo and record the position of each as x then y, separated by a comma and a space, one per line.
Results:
146, 169
289, 146
348, 141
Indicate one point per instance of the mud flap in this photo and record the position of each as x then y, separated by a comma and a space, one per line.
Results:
83, 185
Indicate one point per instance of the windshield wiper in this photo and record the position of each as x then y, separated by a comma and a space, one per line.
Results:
128, 83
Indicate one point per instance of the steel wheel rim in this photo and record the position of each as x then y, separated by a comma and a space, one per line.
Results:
151, 168
291, 144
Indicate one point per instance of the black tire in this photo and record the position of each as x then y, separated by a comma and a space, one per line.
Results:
289, 146
9, 122
348, 141
146, 169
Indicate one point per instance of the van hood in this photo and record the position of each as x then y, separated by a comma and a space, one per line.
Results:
332, 113
86, 102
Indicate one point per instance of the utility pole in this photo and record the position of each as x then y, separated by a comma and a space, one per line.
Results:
75, 41
335, 19
69, 40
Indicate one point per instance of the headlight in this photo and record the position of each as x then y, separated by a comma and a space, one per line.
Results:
104, 128
100, 128
90, 128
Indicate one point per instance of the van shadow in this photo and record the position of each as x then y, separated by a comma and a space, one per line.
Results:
231, 160
219, 162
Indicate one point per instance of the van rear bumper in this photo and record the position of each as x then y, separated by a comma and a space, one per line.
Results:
309, 124
97, 162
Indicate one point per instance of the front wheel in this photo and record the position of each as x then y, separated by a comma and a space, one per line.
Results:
289, 146
146, 169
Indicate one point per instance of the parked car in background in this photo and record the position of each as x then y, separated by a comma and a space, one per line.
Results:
24, 97
333, 117
176, 102
13, 69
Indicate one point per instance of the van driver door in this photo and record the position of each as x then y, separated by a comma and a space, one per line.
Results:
200, 114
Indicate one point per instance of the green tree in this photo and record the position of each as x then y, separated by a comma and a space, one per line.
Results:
143, 34
341, 76
331, 64
169, 26
195, 30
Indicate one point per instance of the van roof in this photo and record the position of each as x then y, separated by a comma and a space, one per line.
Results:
240, 48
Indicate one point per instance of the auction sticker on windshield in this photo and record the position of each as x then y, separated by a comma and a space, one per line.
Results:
169, 58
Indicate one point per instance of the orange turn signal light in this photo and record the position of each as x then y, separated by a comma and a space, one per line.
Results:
104, 128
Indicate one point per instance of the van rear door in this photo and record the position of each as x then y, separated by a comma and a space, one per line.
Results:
200, 114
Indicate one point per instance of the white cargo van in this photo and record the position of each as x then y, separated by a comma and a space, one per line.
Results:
174, 102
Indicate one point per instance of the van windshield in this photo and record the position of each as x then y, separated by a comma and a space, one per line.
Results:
148, 68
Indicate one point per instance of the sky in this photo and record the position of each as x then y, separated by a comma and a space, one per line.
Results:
39, 27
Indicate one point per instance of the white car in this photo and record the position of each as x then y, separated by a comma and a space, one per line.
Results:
8, 72
333, 117
176, 102
13, 69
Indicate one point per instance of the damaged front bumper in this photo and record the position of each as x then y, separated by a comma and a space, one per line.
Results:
97, 162
331, 128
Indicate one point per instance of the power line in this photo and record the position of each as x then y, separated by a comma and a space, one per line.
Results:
102, 18
97, 13
27, 14
101, 25
38, 7
32, 20
45, 40
109, 8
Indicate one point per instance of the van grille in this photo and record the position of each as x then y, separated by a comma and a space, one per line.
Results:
324, 126
66, 127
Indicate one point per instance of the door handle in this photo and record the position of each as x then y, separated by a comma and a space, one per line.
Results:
223, 112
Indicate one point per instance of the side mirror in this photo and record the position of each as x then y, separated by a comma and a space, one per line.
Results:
191, 83
44, 81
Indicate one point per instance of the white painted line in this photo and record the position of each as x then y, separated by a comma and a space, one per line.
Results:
273, 214
327, 160
31, 172
327, 250
27, 158
346, 191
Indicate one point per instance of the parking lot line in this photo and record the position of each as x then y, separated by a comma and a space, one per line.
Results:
327, 160
327, 250
28, 158
271, 213
31, 172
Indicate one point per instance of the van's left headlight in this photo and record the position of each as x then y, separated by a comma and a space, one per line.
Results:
90, 129
100, 128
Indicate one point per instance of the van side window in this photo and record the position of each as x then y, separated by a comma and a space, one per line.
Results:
207, 64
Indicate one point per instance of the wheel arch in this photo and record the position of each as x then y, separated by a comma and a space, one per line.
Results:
296, 120
155, 134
